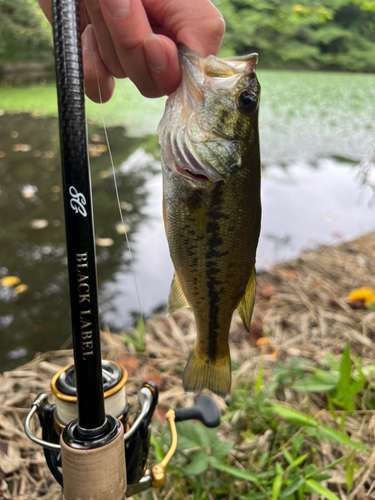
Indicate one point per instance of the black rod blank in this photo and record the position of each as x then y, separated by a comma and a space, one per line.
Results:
78, 215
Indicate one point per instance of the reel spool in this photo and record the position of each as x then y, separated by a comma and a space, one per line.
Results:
63, 386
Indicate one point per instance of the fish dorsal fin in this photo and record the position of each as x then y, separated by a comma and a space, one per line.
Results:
246, 304
176, 299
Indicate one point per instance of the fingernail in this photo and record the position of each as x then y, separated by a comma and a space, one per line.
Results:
89, 41
118, 8
155, 53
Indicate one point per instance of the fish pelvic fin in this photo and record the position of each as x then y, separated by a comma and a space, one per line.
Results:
246, 304
176, 299
203, 373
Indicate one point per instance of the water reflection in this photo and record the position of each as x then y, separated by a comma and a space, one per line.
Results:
306, 205
32, 232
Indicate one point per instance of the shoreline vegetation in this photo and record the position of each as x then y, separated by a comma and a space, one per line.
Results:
287, 34
301, 412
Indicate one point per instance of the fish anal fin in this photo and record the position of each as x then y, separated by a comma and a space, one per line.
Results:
176, 299
201, 373
246, 304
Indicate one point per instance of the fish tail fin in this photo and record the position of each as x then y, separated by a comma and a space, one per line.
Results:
203, 373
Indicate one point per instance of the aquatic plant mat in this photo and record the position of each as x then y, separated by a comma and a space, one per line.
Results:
295, 357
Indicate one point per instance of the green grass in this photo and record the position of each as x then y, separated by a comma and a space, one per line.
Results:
303, 115
127, 108
264, 448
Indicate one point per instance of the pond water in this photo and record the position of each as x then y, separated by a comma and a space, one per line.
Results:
315, 130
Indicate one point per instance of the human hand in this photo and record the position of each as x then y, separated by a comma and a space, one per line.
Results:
137, 39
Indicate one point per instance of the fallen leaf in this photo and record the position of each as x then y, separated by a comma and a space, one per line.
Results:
48, 154
268, 291
154, 376
357, 304
289, 273
96, 138
22, 147
104, 242
10, 281
364, 294
28, 191
263, 341
130, 363
255, 332
21, 288
122, 228
126, 206
97, 149
159, 413
38, 223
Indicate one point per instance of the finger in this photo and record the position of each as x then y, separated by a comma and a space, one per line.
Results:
196, 23
162, 59
106, 47
46, 7
128, 25
95, 72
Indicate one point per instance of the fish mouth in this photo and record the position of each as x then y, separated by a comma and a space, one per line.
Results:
195, 69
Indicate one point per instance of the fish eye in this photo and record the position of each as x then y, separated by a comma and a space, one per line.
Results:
246, 102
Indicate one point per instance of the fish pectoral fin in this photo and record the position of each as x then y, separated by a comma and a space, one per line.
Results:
246, 304
176, 299
201, 373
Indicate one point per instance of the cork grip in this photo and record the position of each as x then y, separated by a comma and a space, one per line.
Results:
95, 474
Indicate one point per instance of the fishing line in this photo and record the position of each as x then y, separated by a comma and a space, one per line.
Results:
117, 195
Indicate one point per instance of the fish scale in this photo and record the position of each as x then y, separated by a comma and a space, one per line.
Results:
212, 225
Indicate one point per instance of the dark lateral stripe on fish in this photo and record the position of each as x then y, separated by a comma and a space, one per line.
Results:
214, 286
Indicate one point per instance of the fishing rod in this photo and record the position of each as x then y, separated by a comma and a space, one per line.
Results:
88, 445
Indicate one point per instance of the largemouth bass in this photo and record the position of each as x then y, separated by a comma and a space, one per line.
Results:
211, 199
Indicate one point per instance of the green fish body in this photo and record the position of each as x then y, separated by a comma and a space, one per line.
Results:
211, 198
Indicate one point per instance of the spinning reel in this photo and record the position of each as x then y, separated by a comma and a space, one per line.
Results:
78, 462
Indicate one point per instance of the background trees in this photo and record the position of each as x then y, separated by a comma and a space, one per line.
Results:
288, 34
325, 34
25, 34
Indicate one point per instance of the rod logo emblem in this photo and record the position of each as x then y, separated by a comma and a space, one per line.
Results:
77, 201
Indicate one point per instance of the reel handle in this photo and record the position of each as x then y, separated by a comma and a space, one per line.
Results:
205, 410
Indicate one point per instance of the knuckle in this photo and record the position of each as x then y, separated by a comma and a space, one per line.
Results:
215, 27
131, 43
116, 70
